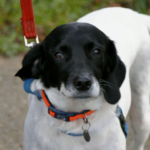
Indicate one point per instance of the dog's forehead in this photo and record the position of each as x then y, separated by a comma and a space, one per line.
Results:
77, 31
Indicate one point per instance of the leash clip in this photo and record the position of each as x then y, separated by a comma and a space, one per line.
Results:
32, 43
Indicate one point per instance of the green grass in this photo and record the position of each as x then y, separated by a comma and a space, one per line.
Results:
49, 14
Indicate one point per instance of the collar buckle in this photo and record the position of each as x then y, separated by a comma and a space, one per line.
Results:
58, 114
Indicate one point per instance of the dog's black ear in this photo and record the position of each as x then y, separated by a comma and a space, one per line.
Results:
116, 73
32, 63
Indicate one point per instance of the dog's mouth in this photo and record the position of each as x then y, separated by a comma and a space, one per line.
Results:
79, 96
84, 95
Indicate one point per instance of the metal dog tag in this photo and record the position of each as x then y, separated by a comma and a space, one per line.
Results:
86, 135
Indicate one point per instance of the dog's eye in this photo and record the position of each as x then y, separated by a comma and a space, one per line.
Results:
96, 52
58, 55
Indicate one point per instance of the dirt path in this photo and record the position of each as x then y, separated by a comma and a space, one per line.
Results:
13, 105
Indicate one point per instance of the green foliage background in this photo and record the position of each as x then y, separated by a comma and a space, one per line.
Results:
49, 14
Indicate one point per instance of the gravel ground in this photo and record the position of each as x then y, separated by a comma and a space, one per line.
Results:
13, 105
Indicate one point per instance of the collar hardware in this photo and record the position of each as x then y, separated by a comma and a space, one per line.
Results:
86, 134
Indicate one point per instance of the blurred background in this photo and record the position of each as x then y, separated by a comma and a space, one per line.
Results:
48, 14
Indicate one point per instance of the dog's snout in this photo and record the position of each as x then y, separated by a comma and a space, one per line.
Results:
82, 83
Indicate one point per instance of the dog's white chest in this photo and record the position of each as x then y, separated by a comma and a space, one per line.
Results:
46, 132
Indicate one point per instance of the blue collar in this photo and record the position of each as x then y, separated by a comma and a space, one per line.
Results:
72, 134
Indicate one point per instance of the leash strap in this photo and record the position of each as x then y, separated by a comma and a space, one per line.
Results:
27, 19
27, 22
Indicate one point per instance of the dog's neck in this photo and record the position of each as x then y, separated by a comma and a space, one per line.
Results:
103, 110
73, 105
99, 104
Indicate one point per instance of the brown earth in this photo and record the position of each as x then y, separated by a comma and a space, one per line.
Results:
13, 105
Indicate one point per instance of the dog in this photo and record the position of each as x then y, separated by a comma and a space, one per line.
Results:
89, 68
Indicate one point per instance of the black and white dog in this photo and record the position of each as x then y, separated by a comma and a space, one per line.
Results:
89, 68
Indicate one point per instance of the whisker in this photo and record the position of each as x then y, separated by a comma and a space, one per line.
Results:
101, 80
105, 83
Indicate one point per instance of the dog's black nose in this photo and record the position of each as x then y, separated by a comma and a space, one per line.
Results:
82, 83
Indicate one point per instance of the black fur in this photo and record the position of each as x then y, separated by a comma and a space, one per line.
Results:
76, 41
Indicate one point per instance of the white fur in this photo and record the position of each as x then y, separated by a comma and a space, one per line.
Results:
129, 31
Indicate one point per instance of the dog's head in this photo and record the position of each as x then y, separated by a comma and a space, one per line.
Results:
79, 60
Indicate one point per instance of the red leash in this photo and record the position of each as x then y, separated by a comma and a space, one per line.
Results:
28, 23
